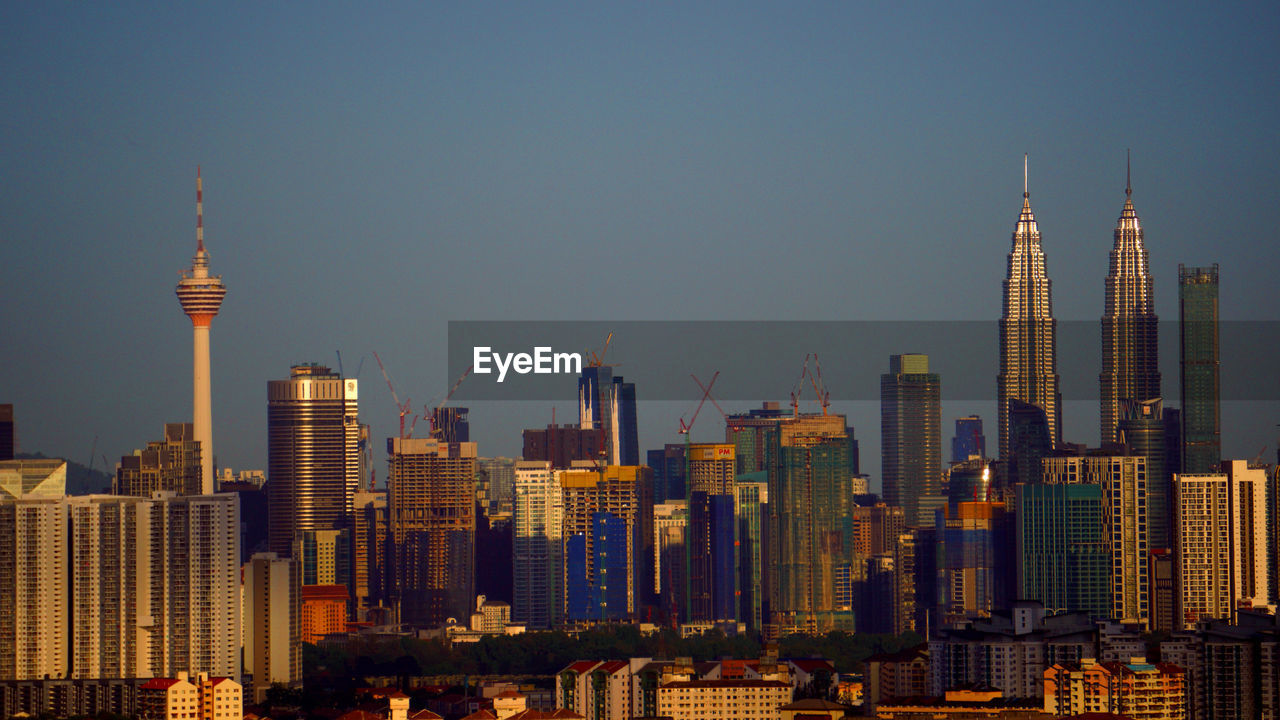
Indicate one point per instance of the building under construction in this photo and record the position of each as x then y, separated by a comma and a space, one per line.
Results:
617, 500
431, 498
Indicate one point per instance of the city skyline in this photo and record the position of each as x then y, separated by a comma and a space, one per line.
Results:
613, 170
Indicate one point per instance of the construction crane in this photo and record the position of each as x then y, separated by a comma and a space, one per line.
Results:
598, 360
434, 413
815, 381
401, 407
706, 393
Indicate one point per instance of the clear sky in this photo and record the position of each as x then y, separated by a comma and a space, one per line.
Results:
374, 172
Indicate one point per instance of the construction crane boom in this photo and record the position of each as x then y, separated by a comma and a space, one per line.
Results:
401, 408
435, 430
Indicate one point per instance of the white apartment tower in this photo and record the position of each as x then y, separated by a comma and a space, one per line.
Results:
272, 617
538, 553
33, 575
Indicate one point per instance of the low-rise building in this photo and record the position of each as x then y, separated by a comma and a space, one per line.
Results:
1138, 689
723, 699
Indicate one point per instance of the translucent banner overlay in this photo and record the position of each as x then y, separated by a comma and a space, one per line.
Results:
763, 360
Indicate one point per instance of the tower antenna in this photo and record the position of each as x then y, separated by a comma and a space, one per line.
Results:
1128, 186
1025, 193
199, 212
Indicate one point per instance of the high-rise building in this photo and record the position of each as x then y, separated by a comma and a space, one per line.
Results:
42, 477
751, 492
1029, 442
607, 403
34, 614
6, 432
324, 556
710, 549
537, 562
313, 454
911, 436
1028, 332
968, 441
1123, 480
201, 297
371, 556
272, 623
1141, 430
1130, 371
1063, 557
450, 424
747, 433
1201, 399
431, 490
118, 586
975, 560
670, 527
1224, 552
172, 464
562, 445
809, 533
625, 493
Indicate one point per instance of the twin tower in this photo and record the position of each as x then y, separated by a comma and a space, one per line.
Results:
1028, 344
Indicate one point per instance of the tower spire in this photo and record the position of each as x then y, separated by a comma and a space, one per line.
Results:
1025, 193
199, 212
1128, 186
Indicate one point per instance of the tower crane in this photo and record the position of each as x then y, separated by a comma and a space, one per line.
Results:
401, 407
434, 413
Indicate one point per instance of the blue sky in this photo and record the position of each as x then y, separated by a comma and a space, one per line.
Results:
371, 174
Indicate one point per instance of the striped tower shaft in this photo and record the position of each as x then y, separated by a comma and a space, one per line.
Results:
201, 296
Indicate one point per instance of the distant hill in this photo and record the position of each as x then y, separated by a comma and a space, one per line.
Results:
80, 479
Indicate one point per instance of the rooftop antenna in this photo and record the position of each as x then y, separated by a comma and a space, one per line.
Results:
1025, 193
1128, 186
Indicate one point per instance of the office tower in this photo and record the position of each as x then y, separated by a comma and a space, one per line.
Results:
272, 617
876, 528
969, 481
1028, 332
608, 404
1201, 400
172, 464
313, 453
808, 523
497, 476
747, 433
1163, 581
371, 555
975, 560
712, 533
43, 477
324, 556
1029, 442
450, 424
537, 560
911, 436
1130, 371
751, 494
1141, 429
34, 612
6, 432
624, 448
201, 296
670, 526
431, 493
669, 468
562, 445
968, 441
1063, 557
624, 492
1123, 480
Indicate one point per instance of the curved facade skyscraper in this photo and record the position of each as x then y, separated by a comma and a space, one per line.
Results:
1129, 327
1028, 332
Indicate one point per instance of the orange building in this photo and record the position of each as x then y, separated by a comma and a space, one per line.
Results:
324, 611
1136, 689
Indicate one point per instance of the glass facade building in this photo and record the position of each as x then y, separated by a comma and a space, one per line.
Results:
1201, 401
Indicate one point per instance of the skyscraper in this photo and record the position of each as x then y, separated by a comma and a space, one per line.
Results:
969, 440
1063, 558
1201, 402
34, 605
1028, 332
313, 454
608, 404
1142, 431
172, 464
710, 547
625, 495
6, 432
1129, 327
432, 491
272, 623
911, 437
809, 524
537, 562
201, 296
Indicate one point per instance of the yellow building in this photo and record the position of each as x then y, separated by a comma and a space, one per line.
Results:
723, 699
